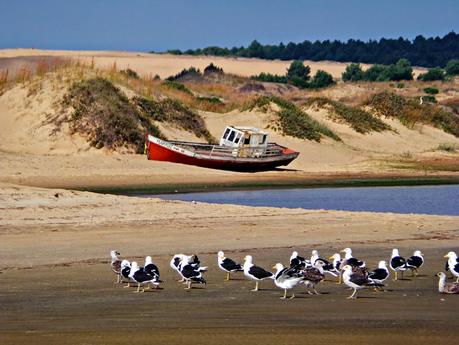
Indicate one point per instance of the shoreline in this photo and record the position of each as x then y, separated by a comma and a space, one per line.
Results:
249, 184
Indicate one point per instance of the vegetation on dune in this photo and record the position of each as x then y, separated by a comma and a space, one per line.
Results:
176, 86
452, 67
104, 114
360, 120
194, 73
401, 70
410, 112
431, 90
353, 72
298, 75
435, 73
130, 73
292, 120
174, 112
421, 51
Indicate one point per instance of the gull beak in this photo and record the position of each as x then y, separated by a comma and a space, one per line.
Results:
274, 266
446, 256
330, 258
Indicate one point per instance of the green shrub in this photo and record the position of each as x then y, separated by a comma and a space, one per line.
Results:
353, 72
429, 99
360, 120
374, 73
401, 70
176, 86
452, 67
321, 79
432, 74
174, 112
211, 68
130, 73
270, 78
431, 90
104, 115
192, 71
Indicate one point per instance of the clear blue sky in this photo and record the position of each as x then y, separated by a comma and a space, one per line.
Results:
145, 25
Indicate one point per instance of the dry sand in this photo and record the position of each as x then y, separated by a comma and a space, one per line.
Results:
57, 287
166, 65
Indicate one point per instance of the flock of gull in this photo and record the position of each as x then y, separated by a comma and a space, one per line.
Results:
310, 272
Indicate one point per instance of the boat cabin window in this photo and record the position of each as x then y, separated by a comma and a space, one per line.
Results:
226, 133
264, 139
238, 137
231, 136
247, 140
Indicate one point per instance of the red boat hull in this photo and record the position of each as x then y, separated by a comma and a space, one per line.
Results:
161, 150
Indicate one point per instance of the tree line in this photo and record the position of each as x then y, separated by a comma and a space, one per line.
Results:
426, 52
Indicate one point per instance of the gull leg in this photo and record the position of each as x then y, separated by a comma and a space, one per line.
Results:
138, 287
292, 296
340, 279
396, 276
315, 291
353, 294
227, 276
256, 287
128, 284
285, 294
189, 285
457, 280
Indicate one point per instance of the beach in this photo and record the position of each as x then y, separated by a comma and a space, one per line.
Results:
56, 232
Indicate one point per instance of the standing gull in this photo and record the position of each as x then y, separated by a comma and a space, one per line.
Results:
453, 264
297, 261
327, 266
415, 262
397, 263
356, 280
192, 273
444, 287
380, 274
176, 260
139, 276
116, 265
286, 278
254, 272
313, 275
336, 265
151, 269
227, 265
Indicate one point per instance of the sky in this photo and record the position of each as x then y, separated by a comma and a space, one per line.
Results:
145, 25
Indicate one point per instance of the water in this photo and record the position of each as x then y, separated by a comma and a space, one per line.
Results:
439, 200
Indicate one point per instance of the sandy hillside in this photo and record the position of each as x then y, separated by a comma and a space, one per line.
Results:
166, 65
34, 130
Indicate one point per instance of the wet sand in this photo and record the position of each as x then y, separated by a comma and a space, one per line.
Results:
79, 303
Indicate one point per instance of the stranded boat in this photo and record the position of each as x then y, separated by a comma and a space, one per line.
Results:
240, 149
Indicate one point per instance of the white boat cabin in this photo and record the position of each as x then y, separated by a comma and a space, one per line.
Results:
244, 137
245, 141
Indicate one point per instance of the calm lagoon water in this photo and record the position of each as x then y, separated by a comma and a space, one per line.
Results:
440, 200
